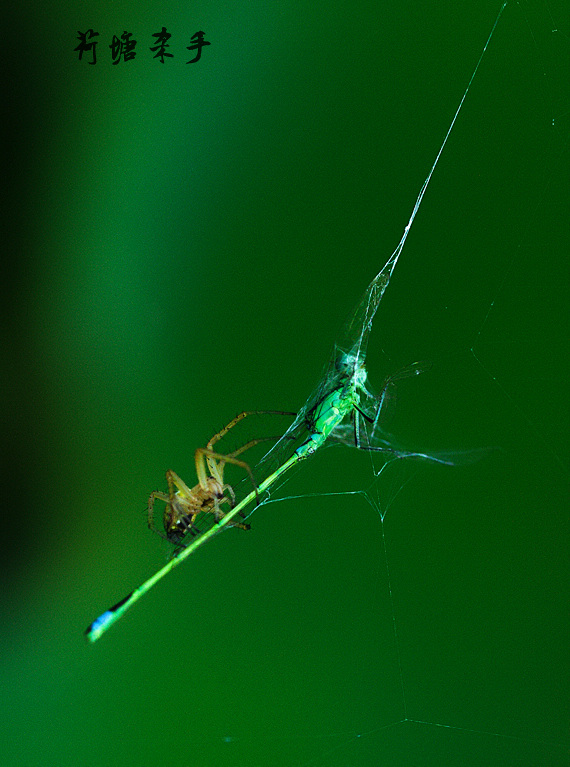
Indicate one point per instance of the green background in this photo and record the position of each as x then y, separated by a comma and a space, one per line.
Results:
185, 242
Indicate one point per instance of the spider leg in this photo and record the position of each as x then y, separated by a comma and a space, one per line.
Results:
203, 454
188, 520
239, 418
232, 499
208, 460
174, 481
249, 444
150, 509
232, 502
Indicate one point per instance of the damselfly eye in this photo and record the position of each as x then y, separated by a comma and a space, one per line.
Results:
346, 362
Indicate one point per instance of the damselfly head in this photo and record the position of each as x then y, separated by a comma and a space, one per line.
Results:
352, 366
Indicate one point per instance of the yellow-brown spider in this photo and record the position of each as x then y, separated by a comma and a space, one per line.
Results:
183, 504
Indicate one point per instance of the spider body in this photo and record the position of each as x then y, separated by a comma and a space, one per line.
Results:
182, 508
184, 504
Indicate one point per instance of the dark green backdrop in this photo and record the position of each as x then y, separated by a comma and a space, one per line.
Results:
185, 242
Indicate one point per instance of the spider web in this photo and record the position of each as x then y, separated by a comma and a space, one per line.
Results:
445, 641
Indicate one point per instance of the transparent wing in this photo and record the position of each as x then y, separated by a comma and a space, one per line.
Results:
354, 337
382, 442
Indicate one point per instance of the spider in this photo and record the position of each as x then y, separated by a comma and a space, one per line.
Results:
183, 504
